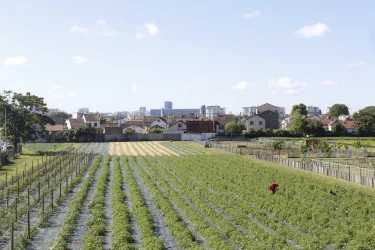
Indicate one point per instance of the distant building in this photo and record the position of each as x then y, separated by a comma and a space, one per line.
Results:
52, 110
177, 112
315, 110
249, 110
142, 111
155, 112
84, 110
203, 111
168, 105
214, 111
327, 110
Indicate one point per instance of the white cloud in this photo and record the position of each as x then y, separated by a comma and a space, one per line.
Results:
79, 59
139, 35
55, 86
332, 83
186, 87
316, 30
243, 85
355, 64
15, 61
152, 29
252, 14
134, 87
286, 82
104, 29
293, 91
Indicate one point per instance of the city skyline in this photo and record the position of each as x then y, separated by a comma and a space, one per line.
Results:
124, 55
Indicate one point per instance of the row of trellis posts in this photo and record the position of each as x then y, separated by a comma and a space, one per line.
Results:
346, 172
25, 176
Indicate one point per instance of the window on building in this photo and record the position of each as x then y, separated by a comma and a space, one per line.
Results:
158, 120
95, 124
260, 122
179, 125
251, 122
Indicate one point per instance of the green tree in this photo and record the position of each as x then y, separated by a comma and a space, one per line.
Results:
338, 109
26, 116
128, 131
234, 128
155, 131
60, 114
277, 145
315, 127
103, 120
365, 120
298, 109
338, 129
299, 124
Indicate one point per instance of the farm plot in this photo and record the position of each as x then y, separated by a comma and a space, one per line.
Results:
140, 148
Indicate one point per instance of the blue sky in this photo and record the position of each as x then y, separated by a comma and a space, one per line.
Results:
120, 55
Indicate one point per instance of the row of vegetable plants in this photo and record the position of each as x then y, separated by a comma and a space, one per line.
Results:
238, 211
227, 231
38, 191
303, 200
121, 228
141, 213
75, 206
184, 237
93, 238
23, 239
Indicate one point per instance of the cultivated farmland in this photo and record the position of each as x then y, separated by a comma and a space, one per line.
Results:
179, 195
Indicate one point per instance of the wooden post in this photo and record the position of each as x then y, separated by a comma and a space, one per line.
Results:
23, 175
16, 209
12, 237
43, 205
28, 225
25, 167
52, 198
7, 197
39, 190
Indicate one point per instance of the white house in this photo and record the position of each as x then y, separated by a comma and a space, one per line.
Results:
285, 124
178, 126
159, 123
255, 122
92, 120
138, 130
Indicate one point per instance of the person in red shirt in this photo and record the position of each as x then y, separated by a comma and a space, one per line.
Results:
273, 187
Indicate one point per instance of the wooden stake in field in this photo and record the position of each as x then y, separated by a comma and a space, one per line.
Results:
28, 225
52, 198
12, 237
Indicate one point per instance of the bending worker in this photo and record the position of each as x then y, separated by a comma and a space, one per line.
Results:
273, 187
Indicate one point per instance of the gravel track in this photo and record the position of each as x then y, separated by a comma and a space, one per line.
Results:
161, 231
48, 234
77, 238
108, 210
128, 202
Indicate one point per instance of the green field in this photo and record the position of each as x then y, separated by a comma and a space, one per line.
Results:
203, 198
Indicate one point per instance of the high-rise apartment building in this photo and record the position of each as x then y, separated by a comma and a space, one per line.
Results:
168, 105
142, 111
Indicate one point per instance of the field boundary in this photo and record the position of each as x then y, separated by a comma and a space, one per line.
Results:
328, 170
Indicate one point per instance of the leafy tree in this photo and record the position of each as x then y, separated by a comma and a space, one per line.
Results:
155, 131
325, 148
338, 129
25, 115
234, 128
60, 114
315, 127
338, 109
298, 109
103, 120
128, 131
365, 118
277, 145
299, 124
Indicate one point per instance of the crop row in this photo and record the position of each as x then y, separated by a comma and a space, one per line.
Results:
238, 212
93, 238
37, 192
141, 213
173, 220
303, 204
75, 205
121, 228
218, 231
23, 239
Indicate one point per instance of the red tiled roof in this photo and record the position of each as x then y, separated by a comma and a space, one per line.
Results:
349, 124
50, 127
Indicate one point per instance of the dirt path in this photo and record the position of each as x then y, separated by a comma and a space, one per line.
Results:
128, 202
161, 231
48, 234
107, 241
79, 233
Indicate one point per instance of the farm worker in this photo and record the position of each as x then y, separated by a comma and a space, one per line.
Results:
273, 187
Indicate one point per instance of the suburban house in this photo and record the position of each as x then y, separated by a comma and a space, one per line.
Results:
255, 122
201, 126
177, 127
159, 122
73, 123
326, 124
265, 107
138, 127
285, 124
271, 118
348, 125
92, 120
223, 120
